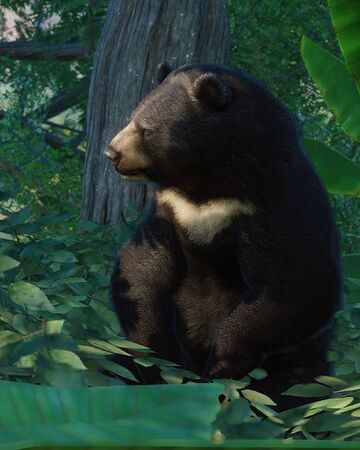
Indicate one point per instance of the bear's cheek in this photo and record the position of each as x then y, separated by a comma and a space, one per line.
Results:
131, 157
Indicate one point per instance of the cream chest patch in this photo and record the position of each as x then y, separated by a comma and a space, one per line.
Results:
203, 222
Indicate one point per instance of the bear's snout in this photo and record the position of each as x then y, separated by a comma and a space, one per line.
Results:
112, 154
126, 152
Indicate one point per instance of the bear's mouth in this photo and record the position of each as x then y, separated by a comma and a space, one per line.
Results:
127, 173
133, 175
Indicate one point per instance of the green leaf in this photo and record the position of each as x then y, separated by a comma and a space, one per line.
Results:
9, 337
258, 374
336, 84
308, 390
257, 397
107, 347
21, 324
63, 256
93, 350
63, 375
332, 403
7, 263
351, 265
148, 361
268, 412
7, 237
325, 421
235, 412
54, 326
19, 217
345, 15
118, 370
340, 174
347, 408
181, 373
26, 228
124, 343
66, 357
233, 385
29, 295
335, 383
119, 416
354, 387
36, 343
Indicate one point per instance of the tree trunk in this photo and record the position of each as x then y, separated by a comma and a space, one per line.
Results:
137, 36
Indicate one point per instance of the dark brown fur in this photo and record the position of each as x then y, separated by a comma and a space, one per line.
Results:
263, 291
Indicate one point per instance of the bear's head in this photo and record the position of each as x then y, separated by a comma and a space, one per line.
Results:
209, 131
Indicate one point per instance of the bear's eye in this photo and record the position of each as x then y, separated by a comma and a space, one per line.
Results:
146, 132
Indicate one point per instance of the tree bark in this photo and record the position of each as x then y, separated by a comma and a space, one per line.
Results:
40, 51
137, 36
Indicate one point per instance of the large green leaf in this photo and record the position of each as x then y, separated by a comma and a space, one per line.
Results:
336, 84
339, 174
112, 415
345, 15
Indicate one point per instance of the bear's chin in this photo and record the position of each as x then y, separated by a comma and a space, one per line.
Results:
134, 177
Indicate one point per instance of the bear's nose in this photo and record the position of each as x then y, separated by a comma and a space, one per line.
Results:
112, 154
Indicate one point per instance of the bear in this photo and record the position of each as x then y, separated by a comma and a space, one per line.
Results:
237, 263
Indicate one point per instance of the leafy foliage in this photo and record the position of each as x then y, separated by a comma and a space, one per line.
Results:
54, 312
345, 15
56, 324
335, 80
42, 143
117, 415
57, 329
339, 90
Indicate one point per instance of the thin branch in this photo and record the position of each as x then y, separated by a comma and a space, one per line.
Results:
63, 127
41, 51
68, 98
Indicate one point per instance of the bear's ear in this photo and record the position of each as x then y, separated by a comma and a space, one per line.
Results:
212, 90
163, 70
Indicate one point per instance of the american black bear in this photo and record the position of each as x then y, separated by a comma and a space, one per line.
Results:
236, 265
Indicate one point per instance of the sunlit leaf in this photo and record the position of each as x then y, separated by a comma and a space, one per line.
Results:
7, 263
257, 397
66, 357
29, 295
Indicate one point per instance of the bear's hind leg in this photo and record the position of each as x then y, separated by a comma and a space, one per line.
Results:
297, 367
